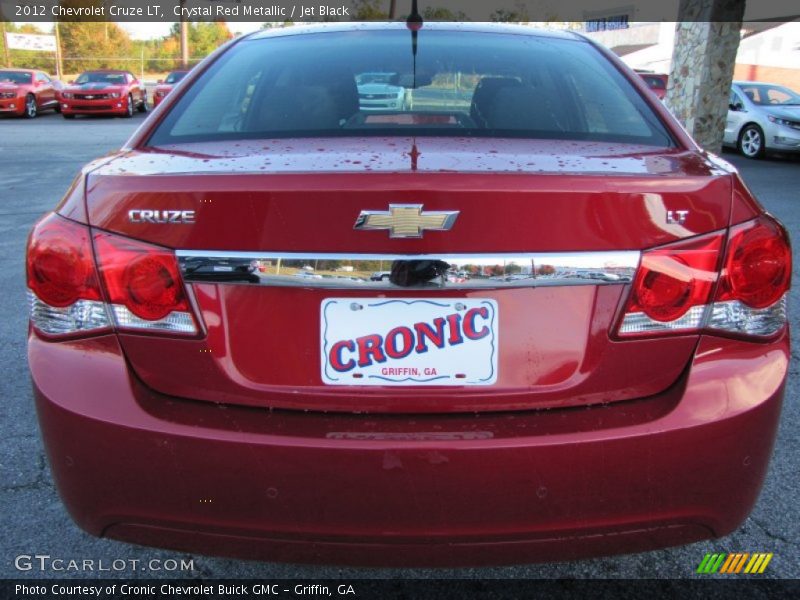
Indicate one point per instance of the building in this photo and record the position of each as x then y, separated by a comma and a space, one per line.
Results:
768, 51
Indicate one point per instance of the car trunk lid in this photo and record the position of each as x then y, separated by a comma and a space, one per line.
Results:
550, 233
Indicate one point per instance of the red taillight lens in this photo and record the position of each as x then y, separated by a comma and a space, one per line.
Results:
758, 265
154, 288
670, 281
671, 292
60, 264
664, 287
141, 277
142, 283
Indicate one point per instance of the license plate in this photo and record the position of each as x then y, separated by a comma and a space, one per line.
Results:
408, 342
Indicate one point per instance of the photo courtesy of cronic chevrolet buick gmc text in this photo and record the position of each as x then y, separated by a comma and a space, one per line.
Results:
520, 317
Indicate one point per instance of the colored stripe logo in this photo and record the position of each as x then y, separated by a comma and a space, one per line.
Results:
733, 563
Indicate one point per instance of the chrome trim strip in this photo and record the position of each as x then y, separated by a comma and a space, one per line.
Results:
408, 271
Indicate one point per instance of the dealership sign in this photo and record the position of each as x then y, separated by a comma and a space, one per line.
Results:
27, 41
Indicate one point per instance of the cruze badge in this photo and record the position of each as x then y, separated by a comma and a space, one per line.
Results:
406, 220
161, 216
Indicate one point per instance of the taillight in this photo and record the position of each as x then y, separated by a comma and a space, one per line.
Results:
752, 292
758, 265
673, 288
142, 283
63, 288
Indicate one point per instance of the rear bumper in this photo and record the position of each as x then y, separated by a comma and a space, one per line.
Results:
425, 490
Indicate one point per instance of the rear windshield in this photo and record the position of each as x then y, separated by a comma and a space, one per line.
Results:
373, 83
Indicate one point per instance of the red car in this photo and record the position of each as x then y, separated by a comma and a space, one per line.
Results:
165, 86
103, 93
216, 371
656, 82
25, 92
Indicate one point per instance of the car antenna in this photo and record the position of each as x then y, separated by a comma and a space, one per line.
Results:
414, 24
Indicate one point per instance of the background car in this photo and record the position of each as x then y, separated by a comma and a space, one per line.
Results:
762, 117
104, 92
656, 82
376, 91
26, 92
165, 86
58, 85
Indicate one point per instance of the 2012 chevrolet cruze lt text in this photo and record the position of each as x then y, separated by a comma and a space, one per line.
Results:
577, 346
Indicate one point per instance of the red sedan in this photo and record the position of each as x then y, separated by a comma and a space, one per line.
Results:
103, 92
165, 87
25, 92
580, 347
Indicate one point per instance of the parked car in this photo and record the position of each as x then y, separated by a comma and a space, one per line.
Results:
165, 86
762, 117
58, 86
656, 82
376, 91
106, 92
420, 420
26, 92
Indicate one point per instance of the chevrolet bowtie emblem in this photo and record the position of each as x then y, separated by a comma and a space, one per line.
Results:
406, 220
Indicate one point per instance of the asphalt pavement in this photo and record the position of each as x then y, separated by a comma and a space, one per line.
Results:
38, 160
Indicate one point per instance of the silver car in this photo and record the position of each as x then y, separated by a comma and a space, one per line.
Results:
762, 117
377, 91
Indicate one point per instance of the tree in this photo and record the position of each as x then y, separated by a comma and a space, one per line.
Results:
204, 38
439, 13
86, 45
164, 54
546, 270
4, 26
369, 10
519, 14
